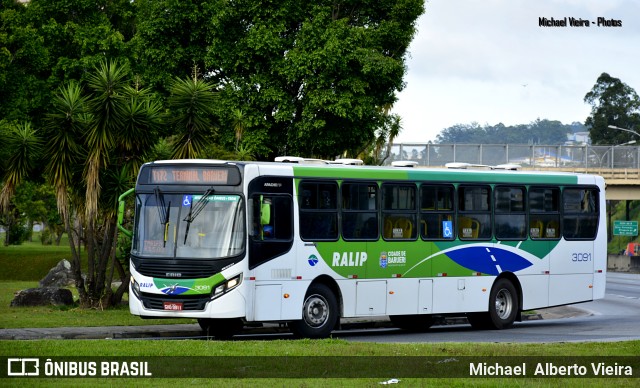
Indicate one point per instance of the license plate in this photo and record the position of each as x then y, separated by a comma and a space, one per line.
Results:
173, 306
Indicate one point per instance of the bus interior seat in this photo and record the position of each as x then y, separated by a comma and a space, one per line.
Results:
551, 230
423, 223
406, 226
536, 229
468, 227
388, 227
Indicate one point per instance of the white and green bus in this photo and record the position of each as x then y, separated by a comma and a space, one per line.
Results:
230, 243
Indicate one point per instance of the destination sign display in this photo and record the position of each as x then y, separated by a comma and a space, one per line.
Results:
190, 175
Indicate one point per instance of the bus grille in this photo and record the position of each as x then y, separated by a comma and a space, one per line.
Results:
168, 269
156, 302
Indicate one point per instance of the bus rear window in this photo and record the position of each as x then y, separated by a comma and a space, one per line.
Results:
580, 208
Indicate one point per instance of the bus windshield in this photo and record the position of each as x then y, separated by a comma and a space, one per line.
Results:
170, 225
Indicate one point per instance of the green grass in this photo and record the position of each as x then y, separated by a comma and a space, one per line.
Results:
30, 260
306, 347
22, 266
65, 316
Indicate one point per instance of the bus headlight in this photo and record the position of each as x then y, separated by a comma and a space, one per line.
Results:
135, 286
227, 286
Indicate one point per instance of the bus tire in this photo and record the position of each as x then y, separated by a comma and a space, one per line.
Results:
224, 328
503, 308
415, 323
319, 313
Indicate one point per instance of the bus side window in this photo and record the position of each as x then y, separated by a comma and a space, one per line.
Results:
436, 212
399, 211
544, 213
510, 215
318, 210
271, 218
474, 212
359, 211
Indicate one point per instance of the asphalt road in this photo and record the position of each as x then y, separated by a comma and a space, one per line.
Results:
614, 318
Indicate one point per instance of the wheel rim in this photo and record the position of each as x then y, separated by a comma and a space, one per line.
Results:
504, 304
316, 311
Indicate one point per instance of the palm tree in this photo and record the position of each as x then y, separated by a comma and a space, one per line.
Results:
66, 125
191, 104
107, 86
239, 125
24, 147
116, 124
392, 128
141, 121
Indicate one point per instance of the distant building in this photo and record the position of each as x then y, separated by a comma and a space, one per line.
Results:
578, 138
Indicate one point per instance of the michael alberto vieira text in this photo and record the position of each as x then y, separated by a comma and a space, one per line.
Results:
551, 369
578, 22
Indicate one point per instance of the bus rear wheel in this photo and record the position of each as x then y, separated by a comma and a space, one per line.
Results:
319, 313
503, 308
414, 323
223, 328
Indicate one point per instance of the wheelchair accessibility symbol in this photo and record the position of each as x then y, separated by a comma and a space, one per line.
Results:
186, 200
447, 229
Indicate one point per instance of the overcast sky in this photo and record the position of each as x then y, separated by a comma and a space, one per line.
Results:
489, 61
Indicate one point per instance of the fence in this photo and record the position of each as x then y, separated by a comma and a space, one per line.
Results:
534, 156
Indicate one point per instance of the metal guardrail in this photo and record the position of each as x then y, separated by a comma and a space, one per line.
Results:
562, 157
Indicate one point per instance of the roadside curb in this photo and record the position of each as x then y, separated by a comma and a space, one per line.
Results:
186, 331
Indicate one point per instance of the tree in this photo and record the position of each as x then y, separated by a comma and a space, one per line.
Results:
379, 149
239, 125
191, 103
24, 61
462, 133
170, 38
312, 75
107, 131
32, 201
537, 132
612, 103
44, 43
23, 148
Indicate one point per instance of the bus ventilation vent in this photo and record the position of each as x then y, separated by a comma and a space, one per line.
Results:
281, 273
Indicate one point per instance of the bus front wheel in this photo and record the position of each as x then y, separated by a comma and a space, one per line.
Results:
503, 308
319, 313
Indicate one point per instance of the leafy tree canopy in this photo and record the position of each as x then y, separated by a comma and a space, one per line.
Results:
46, 42
312, 78
612, 103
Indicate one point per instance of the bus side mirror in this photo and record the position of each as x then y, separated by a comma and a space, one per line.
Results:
121, 203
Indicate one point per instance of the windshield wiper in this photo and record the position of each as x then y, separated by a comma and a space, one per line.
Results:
164, 212
194, 210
